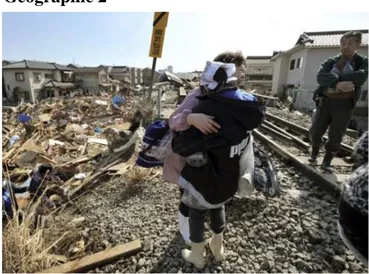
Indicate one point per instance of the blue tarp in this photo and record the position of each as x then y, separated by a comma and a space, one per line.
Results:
24, 118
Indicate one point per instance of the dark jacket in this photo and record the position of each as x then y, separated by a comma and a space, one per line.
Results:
358, 76
217, 180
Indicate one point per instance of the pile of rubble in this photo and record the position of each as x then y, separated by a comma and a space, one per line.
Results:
81, 138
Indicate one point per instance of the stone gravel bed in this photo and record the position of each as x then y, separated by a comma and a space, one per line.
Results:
303, 120
293, 233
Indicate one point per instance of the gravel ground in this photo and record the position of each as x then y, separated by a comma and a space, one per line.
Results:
302, 120
294, 233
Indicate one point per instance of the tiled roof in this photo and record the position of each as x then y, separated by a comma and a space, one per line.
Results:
85, 70
327, 38
258, 57
28, 64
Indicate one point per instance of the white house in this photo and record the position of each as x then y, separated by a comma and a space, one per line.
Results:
93, 79
296, 69
259, 73
298, 66
33, 80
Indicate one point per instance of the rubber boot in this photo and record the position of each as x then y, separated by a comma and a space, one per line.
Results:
326, 164
314, 154
195, 255
184, 228
216, 246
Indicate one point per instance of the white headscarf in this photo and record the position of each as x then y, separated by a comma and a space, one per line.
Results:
211, 68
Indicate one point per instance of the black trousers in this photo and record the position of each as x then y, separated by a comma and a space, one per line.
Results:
197, 220
335, 114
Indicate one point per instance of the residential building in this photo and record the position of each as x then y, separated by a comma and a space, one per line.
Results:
32, 81
139, 76
121, 73
134, 76
298, 66
296, 70
146, 76
74, 66
259, 73
8, 62
95, 79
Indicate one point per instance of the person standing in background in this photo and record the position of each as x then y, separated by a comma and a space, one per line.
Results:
340, 80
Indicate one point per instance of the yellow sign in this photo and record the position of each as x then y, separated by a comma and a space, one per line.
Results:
158, 33
161, 19
157, 42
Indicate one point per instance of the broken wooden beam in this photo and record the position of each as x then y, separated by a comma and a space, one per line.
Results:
98, 259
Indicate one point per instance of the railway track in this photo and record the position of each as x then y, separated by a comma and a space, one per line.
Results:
290, 141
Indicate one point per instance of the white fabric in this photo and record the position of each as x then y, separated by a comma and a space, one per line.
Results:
184, 226
211, 68
247, 165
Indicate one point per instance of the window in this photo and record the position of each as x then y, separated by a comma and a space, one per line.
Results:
299, 62
292, 64
37, 77
49, 76
260, 71
19, 76
26, 96
47, 93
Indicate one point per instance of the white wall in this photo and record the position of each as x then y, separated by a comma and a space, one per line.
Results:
57, 75
89, 82
252, 67
28, 84
11, 83
296, 76
280, 69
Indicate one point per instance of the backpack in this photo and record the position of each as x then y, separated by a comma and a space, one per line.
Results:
156, 145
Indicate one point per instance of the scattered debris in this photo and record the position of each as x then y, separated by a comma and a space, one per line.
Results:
98, 259
74, 135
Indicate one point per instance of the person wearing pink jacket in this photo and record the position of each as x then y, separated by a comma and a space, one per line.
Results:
181, 120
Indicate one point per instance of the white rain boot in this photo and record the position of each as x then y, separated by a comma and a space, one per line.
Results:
184, 227
195, 255
216, 246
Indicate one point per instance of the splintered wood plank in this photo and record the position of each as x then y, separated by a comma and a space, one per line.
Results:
98, 259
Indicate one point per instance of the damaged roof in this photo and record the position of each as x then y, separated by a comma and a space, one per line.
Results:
28, 64
327, 38
119, 70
